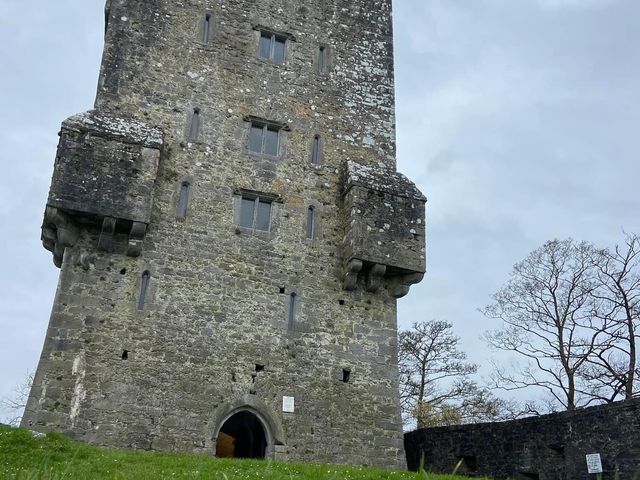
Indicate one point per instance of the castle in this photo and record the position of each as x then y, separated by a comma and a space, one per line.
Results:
232, 236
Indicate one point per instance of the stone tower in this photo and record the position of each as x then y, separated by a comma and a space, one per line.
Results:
232, 236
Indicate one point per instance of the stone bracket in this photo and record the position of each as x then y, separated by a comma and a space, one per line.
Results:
375, 277
105, 242
136, 237
58, 233
399, 286
351, 278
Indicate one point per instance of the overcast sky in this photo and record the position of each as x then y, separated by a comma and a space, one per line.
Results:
519, 119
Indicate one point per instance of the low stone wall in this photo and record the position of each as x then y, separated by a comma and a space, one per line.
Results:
549, 447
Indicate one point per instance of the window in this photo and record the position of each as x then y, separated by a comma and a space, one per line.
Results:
206, 28
144, 286
255, 212
310, 223
107, 15
321, 65
264, 138
272, 47
315, 150
183, 201
291, 323
194, 130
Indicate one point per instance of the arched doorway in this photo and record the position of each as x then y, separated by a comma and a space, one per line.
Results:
242, 435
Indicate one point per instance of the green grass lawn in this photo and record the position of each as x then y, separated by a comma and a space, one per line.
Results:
55, 457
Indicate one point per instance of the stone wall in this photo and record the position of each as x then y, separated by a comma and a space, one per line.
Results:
154, 347
550, 447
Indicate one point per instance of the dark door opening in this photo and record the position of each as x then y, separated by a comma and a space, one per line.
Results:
241, 436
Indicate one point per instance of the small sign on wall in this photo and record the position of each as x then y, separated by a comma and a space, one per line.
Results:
594, 463
288, 404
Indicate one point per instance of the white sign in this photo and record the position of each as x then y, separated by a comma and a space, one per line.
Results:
288, 404
594, 464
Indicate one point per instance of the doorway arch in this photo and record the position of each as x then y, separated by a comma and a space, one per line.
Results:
242, 435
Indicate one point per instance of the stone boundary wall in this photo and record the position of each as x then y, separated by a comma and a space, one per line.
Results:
549, 447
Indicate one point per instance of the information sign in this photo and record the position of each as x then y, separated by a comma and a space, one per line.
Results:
594, 463
288, 404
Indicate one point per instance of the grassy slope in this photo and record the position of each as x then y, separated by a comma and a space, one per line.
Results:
55, 457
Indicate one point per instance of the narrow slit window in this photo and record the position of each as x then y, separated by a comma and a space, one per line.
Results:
311, 223
315, 150
107, 15
183, 201
206, 28
292, 312
144, 287
322, 59
346, 375
194, 130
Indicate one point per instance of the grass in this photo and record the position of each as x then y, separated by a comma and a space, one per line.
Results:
54, 457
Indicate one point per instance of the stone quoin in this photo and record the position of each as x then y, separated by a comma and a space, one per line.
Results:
232, 236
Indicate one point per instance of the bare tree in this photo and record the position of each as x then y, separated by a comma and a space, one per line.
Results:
477, 405
548, 313
433, 372
612, 372
483, 406
16, 403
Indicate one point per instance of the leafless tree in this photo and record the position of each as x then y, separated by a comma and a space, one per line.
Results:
433, 371
477, 405
548, 313
483, 406
613, 371
14, 405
